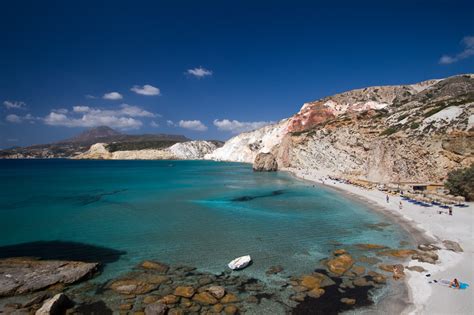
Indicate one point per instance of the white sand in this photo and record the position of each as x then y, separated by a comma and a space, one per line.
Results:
427, 298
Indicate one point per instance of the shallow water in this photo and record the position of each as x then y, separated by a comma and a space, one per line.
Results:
199, 213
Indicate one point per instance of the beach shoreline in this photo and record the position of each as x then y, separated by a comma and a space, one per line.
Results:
425, 225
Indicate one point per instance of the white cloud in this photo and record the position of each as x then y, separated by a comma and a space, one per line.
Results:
89, 96
123, 117
60, 110
196, 125
199, 72
13, 118
147, 90
235, 126
19, 119
80, 109
14, 104
87, 120
170, 123
112, 96
154, 124
468, 43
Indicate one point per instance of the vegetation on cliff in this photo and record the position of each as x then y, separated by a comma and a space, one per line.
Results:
461, 182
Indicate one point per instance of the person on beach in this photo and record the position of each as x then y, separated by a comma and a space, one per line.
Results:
388, 199
400, 206
455, 284
450, 210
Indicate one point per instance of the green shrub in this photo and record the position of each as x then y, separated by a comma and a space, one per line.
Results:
461, 182
389, 131
414, 125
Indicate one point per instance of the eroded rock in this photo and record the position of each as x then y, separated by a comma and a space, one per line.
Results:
265, 162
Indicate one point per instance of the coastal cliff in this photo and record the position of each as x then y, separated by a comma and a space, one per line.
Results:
189, 150
415, 132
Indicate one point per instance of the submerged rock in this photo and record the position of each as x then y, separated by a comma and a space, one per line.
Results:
132, 287
340, 264
265, 162
155, 265
22, 275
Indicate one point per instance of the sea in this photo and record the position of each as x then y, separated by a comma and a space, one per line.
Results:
197, 213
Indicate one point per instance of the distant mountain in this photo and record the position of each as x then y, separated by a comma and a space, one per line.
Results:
114, 140
93, 134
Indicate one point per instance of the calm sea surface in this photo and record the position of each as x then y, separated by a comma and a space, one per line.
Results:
199, 213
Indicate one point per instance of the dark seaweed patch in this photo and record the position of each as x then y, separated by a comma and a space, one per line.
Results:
248, 198
63, 251
329, 302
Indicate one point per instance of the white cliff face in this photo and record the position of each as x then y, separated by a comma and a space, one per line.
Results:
246, 146
190, 150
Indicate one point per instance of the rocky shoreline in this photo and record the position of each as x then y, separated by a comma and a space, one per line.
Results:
344, 282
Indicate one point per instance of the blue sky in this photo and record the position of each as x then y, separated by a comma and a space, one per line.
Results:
184, 66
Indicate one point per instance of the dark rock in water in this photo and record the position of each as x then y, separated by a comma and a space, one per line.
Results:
274, 270
94, 308
453, 246
29, 274
56, 305
265, 162
36, 300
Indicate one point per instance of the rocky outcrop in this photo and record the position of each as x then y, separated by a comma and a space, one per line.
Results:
58, 304
406, 133
190, 150
23, 275
265, 162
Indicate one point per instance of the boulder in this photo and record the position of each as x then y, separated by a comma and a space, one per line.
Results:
338, 252
217, 291
155, 309
428, 247
205, 298
340, 264
155, 265
426, 256
186, 292
358, 270
310, 282
453, 246
229, 298
58, 304
30, 274
265, 162
169, 299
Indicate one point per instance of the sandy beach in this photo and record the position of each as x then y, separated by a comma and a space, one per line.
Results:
425, 297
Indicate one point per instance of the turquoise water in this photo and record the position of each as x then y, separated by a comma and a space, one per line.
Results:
199, 213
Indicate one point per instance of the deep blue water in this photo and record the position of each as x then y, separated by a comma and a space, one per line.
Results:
199, 213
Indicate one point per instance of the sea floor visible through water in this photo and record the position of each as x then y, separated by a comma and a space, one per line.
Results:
195, 213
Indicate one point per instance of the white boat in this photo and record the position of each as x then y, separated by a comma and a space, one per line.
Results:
240, 263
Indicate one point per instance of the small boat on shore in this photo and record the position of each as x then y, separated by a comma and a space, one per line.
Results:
240, 262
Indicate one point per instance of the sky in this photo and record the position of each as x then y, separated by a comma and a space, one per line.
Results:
210, 69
